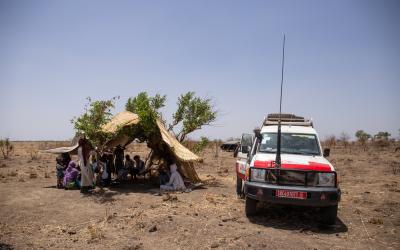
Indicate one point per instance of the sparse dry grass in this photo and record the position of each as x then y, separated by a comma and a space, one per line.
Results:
122, 218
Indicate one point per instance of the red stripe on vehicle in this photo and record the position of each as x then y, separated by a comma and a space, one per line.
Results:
315, 166
263, 164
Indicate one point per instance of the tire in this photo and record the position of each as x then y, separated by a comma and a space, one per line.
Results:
329, 214
250, 207
239, 186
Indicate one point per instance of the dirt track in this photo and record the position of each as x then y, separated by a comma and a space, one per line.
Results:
34, 214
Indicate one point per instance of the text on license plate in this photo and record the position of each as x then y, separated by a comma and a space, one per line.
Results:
291, 194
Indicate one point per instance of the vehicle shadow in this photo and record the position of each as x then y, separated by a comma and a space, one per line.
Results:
4, 246
302, 219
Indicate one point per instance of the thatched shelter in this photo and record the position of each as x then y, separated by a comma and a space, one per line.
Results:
163, 144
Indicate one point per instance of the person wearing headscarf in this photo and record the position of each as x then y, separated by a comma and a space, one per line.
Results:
175, 181
86, 169
119, 158
71, 174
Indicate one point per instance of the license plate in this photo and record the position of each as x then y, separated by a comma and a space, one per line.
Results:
291, 194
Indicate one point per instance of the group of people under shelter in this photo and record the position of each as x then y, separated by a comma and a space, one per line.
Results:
90, 172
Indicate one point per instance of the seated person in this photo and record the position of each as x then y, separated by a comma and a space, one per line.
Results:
71, 176
103, 170
163, 175
96, 170
138, 166
129, 165
175, 181
123, 171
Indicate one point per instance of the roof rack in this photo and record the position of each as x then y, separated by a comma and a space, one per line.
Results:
287, 119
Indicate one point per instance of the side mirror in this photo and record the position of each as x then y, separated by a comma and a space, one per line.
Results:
245, 149
327, 152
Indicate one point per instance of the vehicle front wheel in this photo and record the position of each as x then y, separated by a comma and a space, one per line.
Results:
250, 207
329, 215
239, 187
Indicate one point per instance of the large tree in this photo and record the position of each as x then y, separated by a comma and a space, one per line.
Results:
192, 113
362, 138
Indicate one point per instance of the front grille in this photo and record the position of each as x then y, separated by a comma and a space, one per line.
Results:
291, 177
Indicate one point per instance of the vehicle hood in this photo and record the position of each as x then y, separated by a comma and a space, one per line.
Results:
290, 161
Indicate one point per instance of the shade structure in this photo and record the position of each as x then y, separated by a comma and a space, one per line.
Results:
181, 152
72, 150
120, 120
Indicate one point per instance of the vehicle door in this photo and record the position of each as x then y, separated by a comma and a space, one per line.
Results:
241, 159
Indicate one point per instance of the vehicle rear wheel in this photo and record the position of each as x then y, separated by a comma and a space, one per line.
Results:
329, 215
251, 207
239, 187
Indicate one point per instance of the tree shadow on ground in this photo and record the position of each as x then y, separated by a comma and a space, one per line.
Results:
107, 194
303, 219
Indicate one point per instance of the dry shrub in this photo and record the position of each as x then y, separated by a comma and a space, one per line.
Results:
95, 233
12, 174
46, 175
34, 154
381, 144
330, 141
6, 147
33, 175
395, 167
376, 221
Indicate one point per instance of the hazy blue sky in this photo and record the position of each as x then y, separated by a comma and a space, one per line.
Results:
342, 61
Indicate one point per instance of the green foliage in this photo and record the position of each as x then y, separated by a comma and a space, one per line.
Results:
193, 113
362, 136
97, 113
201, 145
382, 136
147, 108
6, 147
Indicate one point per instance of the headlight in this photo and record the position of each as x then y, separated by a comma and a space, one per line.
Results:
257, 174
326, 179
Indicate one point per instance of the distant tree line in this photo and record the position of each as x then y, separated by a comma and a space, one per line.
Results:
363, 139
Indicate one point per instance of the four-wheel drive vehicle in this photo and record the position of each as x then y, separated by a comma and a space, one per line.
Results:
304, 178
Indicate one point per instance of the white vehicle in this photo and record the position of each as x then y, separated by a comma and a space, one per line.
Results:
305, 177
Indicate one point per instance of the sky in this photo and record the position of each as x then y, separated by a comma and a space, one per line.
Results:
342, 65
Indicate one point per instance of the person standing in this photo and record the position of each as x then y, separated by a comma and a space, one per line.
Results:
86, 169
60, 171
119, 158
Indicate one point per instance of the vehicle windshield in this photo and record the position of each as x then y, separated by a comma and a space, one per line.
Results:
291, 143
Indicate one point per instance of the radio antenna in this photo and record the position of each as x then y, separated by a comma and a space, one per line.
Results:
278, 146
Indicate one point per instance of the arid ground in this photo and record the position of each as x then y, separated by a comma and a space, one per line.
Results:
34, 214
